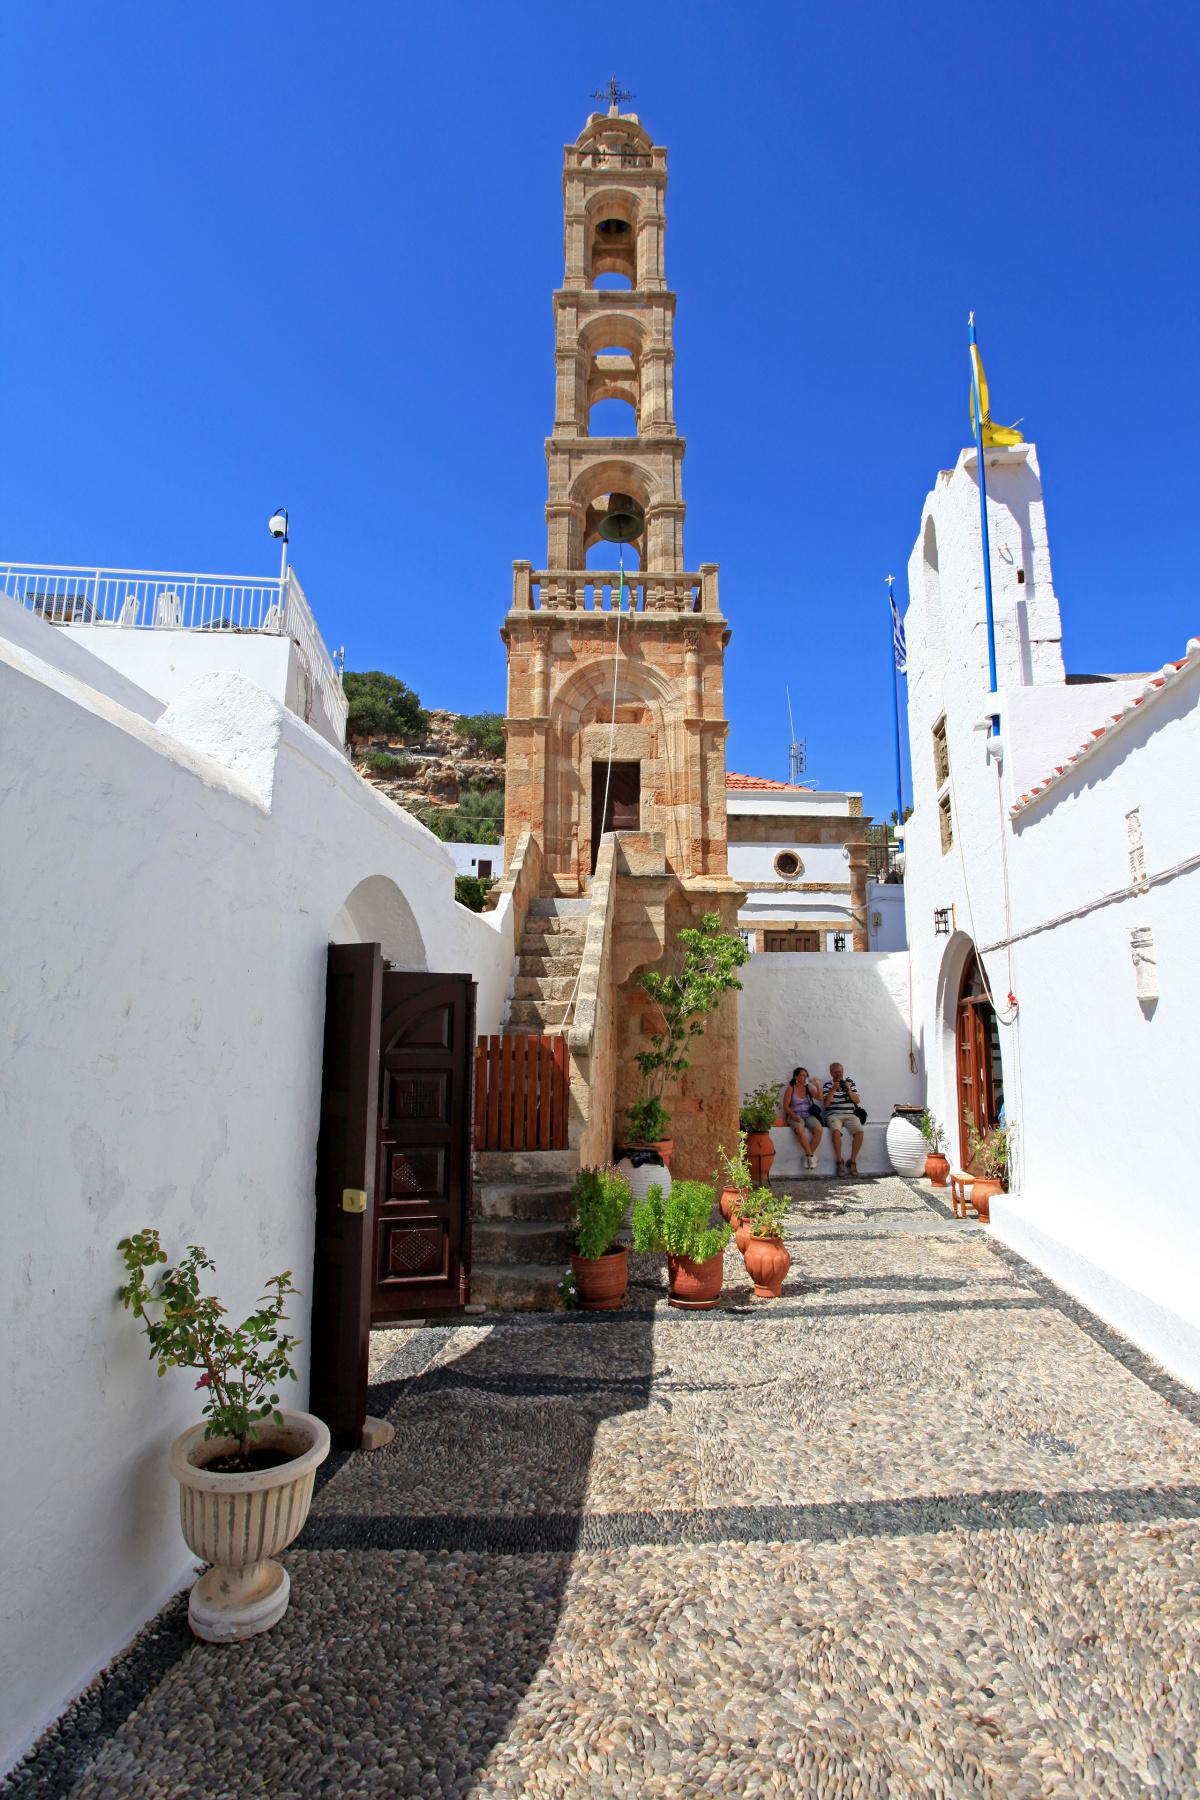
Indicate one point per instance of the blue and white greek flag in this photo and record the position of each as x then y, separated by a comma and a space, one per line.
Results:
899, 646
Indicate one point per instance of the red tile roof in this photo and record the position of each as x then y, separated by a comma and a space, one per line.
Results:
1151, 688
759, 784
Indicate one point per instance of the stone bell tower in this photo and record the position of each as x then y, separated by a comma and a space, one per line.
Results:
668, 734
616, 708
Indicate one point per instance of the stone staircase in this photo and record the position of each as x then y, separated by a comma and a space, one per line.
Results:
522, 1224
521, 1232
547, 966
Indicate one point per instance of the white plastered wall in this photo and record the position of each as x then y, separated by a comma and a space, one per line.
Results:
1089, 1190
816, 1010
167, 893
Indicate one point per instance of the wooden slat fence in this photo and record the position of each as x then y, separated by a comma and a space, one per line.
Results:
522, 1085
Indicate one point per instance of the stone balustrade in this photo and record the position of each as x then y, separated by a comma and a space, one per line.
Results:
596, 590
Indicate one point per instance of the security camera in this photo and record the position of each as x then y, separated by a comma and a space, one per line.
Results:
278, 523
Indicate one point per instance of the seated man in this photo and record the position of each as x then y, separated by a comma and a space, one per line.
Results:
839, 1096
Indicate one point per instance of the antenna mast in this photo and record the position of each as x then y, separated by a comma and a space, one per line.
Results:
796, 746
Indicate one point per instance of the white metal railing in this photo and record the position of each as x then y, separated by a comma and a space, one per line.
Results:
170, 600
587, 590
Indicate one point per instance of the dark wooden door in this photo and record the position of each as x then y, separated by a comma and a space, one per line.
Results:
624, 809
422, 1248
791, 940
977, 1055
346, 1163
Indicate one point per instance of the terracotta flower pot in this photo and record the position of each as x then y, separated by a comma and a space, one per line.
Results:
761, 1151
693, 1284
980, 1194
937, 1168
603, 1281
239, 1523
742, 1235
730, 1201
767, 1263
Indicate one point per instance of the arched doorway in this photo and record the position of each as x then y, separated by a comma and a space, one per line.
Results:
977, 1057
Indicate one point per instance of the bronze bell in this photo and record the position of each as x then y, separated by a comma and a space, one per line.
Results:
622, 520
612, 228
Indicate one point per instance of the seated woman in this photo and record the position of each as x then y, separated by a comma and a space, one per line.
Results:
802, 1111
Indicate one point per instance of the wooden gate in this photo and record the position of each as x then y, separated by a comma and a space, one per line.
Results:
393, 1166
522, 1091
423, 1210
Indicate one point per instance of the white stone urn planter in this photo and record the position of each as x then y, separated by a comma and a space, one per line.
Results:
238, 1523
906, 1147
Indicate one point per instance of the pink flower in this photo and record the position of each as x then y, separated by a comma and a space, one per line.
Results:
204, 1381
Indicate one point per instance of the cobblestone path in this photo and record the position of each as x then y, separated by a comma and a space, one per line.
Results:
922, 1527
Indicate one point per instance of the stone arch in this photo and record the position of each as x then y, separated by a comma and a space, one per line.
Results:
611, 235
647, 731
376, 912
613, 475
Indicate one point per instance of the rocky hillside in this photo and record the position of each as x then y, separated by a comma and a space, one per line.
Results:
436, 769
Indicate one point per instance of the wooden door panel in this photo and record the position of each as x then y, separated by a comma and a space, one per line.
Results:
346, 1165
421, 1256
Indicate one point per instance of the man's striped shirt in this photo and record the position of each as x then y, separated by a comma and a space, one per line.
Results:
841, 1102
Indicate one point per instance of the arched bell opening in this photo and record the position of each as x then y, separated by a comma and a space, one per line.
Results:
612, 226
612, 415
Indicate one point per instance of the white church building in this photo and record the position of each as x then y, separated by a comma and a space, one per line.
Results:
1052, 888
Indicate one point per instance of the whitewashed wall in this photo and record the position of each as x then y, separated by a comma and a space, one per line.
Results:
167, 893
164, 662
816, 1010
1091, 1199
886, 928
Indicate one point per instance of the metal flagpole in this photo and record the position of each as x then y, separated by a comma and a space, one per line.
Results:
983, 523
896, 634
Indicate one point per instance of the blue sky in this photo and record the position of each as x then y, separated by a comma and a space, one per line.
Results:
304, 254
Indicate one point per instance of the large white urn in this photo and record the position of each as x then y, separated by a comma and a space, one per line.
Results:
906, 1147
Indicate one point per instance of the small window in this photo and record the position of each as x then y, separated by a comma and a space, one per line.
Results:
485, 868
945, 823
941, 753
788, 864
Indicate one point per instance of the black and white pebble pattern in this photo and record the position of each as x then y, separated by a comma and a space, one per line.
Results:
922, 1527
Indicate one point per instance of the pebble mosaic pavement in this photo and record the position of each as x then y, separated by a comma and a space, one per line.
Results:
922, 1527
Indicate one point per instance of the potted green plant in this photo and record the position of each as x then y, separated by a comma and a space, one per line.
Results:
700, 968
739, 1180
937, 1164
648, 1127
759, 1111
679, 1227
246, 1476
600, 1265
989, 1165
767, 1261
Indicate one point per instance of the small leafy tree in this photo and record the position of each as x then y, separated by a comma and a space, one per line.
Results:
763, 1211
240, 1364
381, 706
701, 969
931, 1131
484, 730
736, 1168
472, 891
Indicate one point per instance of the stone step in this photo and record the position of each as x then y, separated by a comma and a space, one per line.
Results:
521, 1198
541, 931
503, 1241
516, 1287
548, 965
544, 987
536, 1018
558, 908
540, 1166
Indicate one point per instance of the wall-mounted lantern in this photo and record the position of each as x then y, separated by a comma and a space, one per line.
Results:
839, 940
943, 921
